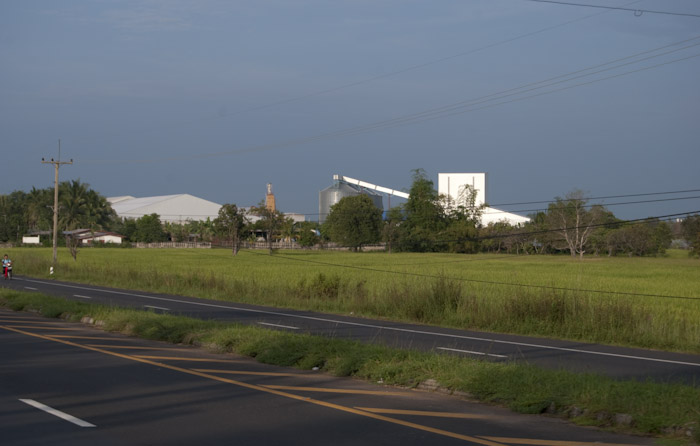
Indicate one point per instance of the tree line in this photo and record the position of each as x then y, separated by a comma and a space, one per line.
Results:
81, 207
427, 222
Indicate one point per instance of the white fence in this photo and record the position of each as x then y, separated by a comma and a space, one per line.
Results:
204, 245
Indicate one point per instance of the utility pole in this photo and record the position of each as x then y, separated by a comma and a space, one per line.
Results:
57, 163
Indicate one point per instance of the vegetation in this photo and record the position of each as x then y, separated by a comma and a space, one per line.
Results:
691, 232
230, 224
661, 409
427, 222
535, 295
353, 222
272, 223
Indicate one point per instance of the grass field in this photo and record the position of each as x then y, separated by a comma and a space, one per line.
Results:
554, 296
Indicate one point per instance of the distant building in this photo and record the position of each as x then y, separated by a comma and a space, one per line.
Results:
88, 237
182, 208
343, 187
452, 186
170, 208
35, 237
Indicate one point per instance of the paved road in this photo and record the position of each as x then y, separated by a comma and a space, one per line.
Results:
70, 384
618, 362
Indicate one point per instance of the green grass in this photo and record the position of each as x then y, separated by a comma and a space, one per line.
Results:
532, 295
654, 408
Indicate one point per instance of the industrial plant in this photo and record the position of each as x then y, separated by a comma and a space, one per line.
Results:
184, 207
450, 185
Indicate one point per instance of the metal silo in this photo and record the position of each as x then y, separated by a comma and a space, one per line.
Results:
339, 190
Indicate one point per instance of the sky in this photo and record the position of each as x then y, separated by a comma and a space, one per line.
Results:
217, 98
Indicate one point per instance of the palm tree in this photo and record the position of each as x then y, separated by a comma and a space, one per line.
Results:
38, 212
73, 205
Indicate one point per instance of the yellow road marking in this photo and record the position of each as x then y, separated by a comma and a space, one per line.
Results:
534, 442
43, 328
93, 338
271, 391
327, 390
131, 347
244, 372
27, 321
426, 413
177, 358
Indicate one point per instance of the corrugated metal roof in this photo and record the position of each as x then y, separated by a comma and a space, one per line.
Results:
172, 208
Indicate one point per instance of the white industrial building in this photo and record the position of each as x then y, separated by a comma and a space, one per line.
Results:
452, 185
171, 208
179, 208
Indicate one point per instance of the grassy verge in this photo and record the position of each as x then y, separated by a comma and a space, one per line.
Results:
647, 408
550, 297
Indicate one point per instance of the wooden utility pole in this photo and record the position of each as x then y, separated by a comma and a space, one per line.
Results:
57, 163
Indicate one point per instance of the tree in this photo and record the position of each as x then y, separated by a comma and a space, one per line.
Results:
573, 221
650, 237
81, 208
354, 221
307, 234
149, 229
38, 212
12, 221
126, 227
463, 219
391, 232
691, 232
424, 216
464, 207
230, 224
270, 221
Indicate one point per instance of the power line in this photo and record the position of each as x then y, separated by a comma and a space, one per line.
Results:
605, 205
413, 67
668, 217
603, 198
637, 12
461, 107
419, 65
590, 198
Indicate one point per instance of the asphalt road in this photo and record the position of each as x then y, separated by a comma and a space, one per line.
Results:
617, 362
71, 384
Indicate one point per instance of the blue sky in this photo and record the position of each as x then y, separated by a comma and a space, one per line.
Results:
218, 98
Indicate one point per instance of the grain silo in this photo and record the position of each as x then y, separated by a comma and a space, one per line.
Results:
339, 190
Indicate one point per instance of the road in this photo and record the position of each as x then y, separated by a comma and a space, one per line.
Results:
617, 362
71, 384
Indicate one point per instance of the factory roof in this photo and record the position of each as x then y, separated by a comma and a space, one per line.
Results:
171, 208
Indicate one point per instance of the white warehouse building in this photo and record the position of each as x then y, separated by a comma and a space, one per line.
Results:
171, 208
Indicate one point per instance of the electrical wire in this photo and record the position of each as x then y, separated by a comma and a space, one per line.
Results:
637, 12
411, 67
602, 198
458, 108
596, 204
403, 211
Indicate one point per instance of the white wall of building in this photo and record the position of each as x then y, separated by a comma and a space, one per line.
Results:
452, 184
31, 240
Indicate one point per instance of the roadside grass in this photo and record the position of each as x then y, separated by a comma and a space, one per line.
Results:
545, 296
646, 408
